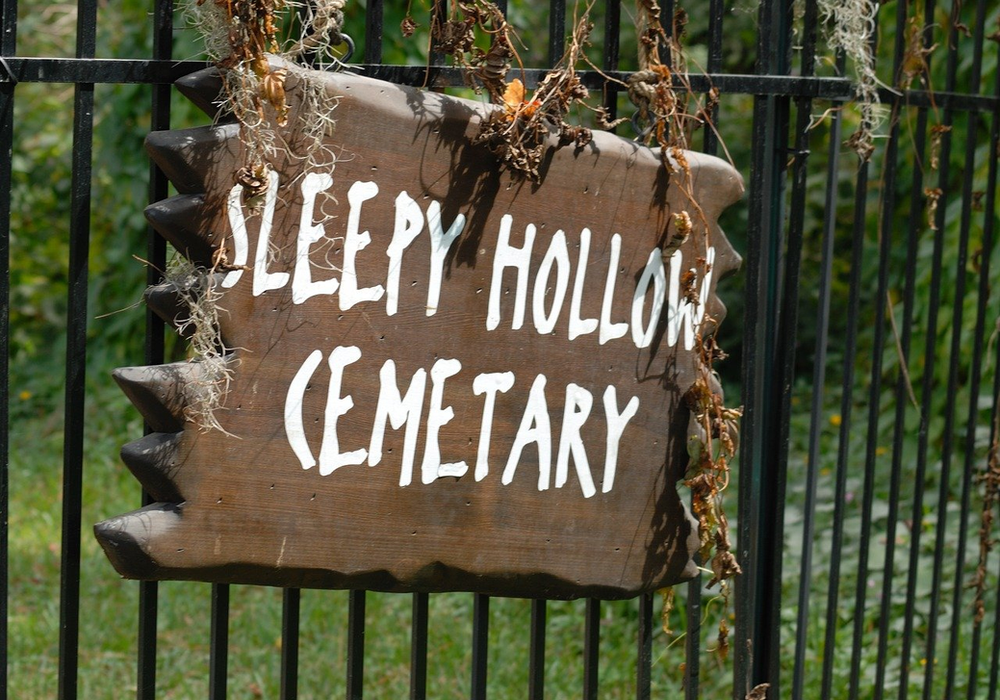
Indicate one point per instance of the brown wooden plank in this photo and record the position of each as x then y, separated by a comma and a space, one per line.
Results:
159, 392
187, 224
166, 302
154, 460
299, 493
204, 89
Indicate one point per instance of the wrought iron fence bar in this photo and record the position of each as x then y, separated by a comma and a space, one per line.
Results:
796, 228
667, 22
953, 383
977, 348
843, 447
591, 647
968, 471
770, 525
768, 483
96, 70
871, 436
156, 254
763, 245
356, 644
750, 437
557, 30
817, 403
418, 647
901, 398
782, 312
752, 379
916, 218
218, 654
612, 30
944, 175
480, 644
888, 203
8, 27
716, 11
536, 651
901, 392
8, 45
927, 386
373, 31
291, 603
716, 14
76, 359
692, 638
984, 287
915, 225
644, 661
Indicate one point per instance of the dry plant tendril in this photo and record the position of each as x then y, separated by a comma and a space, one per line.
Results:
239, 37
852, 30
989, 481
518, 133
669, 117
195, 287
455, 34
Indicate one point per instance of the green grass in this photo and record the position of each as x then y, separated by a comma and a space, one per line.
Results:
108, 620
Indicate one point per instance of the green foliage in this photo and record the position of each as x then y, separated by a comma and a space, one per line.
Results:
41, 198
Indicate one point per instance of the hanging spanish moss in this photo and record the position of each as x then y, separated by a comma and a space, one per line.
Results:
243, 39
852, 26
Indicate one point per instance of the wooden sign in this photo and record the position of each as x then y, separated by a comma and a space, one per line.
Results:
443, 377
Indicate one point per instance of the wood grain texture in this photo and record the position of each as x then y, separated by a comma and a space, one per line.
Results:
204, 89
159, 392
185, 222
166, 302
242, 507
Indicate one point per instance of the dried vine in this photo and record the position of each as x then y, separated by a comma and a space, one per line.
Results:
669, 117
517, 134
195, 288
989, 481
455, 33
853, 28
240, 37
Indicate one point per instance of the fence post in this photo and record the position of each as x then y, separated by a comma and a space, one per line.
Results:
767, 352
8, 46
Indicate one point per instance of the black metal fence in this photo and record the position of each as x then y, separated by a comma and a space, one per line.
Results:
865, 332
